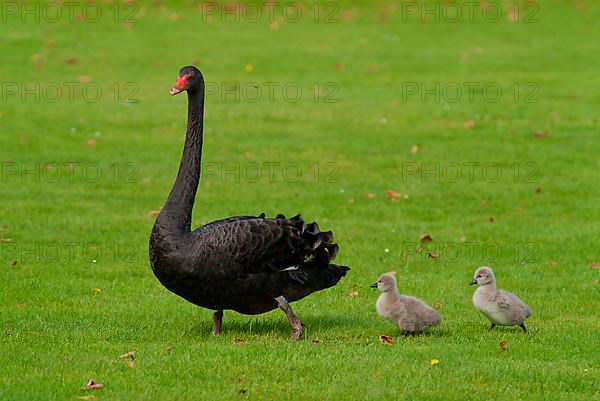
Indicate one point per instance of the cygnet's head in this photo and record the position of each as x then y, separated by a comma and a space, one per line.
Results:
484, 275
385, 282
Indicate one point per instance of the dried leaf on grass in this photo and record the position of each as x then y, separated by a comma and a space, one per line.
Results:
92, 385
387, 340
425, 238
541, 134
393, 195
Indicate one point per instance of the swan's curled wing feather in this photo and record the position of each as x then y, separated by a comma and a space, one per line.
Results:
251, 244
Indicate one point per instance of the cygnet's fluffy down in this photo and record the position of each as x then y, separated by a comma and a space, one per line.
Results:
410, 314
500, 307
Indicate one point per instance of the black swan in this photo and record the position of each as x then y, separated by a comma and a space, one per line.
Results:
250, 264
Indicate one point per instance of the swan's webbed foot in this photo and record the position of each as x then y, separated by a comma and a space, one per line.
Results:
218, 319
522, 325
294, 321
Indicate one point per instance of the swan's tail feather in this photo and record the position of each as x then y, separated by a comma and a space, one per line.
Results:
316, 278
316, 244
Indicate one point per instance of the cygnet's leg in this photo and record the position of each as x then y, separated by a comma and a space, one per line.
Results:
218, 319
491, 327
294, 321
522, 325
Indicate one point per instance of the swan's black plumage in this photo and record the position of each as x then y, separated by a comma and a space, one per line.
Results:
250, 264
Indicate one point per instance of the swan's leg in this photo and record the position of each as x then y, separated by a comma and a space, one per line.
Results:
522, 325
218, 319
294, 321
491, 327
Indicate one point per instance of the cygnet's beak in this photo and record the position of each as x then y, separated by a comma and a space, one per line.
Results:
374, 285
473, 282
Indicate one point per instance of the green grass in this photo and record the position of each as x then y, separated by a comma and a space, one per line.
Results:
82, 292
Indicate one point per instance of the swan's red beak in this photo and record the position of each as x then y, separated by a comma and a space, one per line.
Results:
181, 85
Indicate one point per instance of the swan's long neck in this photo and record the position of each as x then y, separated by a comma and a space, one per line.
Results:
176, 215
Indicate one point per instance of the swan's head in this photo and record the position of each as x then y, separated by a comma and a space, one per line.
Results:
190, 79
385, 282
484, 275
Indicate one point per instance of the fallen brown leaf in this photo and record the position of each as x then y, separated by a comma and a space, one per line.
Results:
153, 213
14, 263
71, 60
87, 397
316, 341
462, 238
129, 355
425, 238
387, 340
538, 190
492, 220
238, 341
419, 248
393, 195
483, 203
553, 262
596, 265
370, 195
351, 200
4, 228
92, 385
540, 134
469, 124
5, 240
21, 306
414, 149
433, 255
503, 345
438, 305
91, 143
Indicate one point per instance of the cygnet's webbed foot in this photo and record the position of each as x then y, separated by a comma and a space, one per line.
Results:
295, 323
218, 321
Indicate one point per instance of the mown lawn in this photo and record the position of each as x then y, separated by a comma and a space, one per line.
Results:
390, 126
